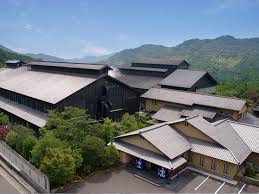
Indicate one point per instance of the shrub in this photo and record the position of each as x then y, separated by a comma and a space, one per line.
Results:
27, 147
3, 119
11, 139
3, 132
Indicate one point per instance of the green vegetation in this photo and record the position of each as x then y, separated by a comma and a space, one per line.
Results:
3, 119
7, 54
228, 59
72, 145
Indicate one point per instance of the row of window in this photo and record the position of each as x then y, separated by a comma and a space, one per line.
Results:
213, 164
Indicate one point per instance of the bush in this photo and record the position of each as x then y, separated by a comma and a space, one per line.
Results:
111, 157
59, 165
39, 150
3, 133
3, 119
27, 147
11, 139
92, 149
250, 171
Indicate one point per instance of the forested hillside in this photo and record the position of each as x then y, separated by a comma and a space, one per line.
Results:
228, 59
7, 54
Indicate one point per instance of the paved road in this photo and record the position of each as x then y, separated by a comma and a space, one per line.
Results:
6, 187
116, 181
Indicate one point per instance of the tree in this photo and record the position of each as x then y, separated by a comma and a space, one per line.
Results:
27, 147
39, 150
11, 139
59, 165
92, 149
111, 157
22, 134
108, 126
3, 119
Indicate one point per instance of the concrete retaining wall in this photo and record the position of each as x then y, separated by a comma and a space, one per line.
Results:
31, 174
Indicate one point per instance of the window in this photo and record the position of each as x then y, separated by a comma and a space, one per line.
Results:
154, 102
201, 161
213, 164
225, 171
190, 157
186, 124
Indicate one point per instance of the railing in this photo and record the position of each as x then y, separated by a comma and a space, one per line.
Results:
38, 179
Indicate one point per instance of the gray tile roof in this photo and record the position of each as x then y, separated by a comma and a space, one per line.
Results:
158, 61
167, 113
69, 65
167, 140
48, 87
250, 119
205, 112
225, 135
28, 114
211, 150
249, 134
191, 98
136, 81
149, 156
144, 69
183, 78
8, 73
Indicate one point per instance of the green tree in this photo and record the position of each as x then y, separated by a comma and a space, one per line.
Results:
108, 126
111, 157
22, 134
38, 152
11, 139
27, 147
3, 119
59, 165
92, 149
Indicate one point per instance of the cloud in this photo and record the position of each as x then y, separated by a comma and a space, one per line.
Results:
123, 36
28, 26
230, 4
96, 51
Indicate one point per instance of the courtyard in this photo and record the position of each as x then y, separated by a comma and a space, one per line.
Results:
120, 180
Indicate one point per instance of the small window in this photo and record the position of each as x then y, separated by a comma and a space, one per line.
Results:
154, 102
201, 161
186, 124
225, 171
213, 164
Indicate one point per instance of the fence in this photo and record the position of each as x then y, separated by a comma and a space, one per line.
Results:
31, 174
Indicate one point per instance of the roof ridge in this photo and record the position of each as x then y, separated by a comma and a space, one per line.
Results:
67, 62
201, 94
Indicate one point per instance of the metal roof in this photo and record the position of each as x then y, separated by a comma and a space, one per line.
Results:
191, 98
183, 78
144, 69
159, 61
136, 81
149, 156
205, 112
211, 150
167, 140
28, 114
12, 61
224, 135
250, 119
45, 86
69, 65
248, 133
167, 113
256, 109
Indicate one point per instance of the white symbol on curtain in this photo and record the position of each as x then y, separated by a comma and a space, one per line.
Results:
162, 172
139, 164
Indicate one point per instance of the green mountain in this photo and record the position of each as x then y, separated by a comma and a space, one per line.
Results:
7, 54
227, 58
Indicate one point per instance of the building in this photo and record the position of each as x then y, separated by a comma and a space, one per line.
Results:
28, 92
190, 80
169, 105
220, 148
256, 111
14, 63
147, 73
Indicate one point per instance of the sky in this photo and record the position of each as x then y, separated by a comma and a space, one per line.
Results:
77, 28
